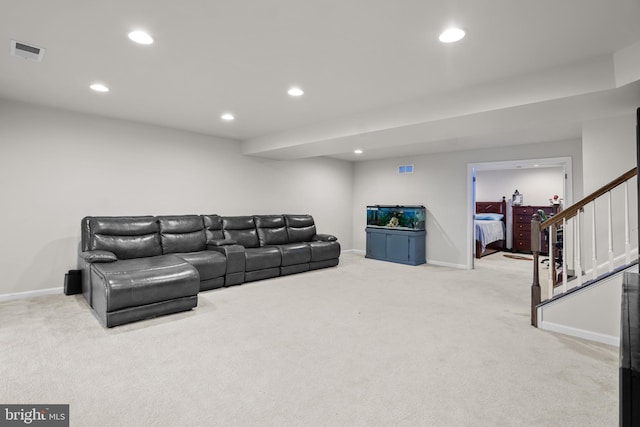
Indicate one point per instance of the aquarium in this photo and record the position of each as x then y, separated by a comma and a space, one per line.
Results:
398, 217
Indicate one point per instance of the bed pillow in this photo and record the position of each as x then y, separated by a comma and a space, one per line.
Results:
490, 216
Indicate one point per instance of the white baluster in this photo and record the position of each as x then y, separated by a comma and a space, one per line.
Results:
627, 243
552, 264
594, 256
610, 229
577, 250
564, 258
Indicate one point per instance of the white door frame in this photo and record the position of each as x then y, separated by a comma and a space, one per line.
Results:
564, 162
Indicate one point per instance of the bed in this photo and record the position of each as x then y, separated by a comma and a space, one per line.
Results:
490, 223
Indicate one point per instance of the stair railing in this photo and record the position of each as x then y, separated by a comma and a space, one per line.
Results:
577, 225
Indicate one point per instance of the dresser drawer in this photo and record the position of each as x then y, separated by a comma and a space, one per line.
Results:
524, 211
519, 227
522, 219
522, 235
528, 211
522, 245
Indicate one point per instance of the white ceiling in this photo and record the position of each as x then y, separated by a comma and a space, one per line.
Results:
374, 73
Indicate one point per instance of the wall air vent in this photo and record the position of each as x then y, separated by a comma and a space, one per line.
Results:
405, 169
26, 51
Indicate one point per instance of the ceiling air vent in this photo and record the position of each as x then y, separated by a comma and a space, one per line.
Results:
26, 51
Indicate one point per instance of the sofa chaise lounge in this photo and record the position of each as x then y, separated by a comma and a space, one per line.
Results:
139, 267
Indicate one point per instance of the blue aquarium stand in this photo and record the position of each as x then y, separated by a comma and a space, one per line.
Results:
401, 246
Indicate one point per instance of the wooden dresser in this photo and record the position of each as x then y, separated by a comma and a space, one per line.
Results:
522, 227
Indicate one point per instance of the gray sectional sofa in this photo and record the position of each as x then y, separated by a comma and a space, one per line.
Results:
134, 268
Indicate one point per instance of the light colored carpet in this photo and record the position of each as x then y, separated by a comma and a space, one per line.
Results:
368, 343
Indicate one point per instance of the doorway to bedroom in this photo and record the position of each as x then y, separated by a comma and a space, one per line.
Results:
537, 181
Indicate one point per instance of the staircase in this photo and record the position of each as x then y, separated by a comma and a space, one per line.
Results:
590, 248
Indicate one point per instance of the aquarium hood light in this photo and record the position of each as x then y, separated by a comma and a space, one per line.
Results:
405, 169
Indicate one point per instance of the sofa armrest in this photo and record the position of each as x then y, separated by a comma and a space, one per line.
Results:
98, 256
221, 242
324, 238
235, 255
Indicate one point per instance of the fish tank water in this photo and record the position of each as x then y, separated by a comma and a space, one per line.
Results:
396, 217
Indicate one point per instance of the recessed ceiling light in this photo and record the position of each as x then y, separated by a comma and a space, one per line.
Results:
227, 116
451, 35
99, 87
140, 37
295, 91
358, 151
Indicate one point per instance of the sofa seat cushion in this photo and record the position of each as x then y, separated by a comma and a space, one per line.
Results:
210, 264
136, 282
321, 251
261, 258
295, 253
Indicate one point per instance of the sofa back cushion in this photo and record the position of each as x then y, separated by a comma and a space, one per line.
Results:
300, 228
182, 234
126, 237
213, 227
242, 229
271, 230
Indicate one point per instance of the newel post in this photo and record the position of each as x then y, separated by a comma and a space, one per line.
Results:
535, 286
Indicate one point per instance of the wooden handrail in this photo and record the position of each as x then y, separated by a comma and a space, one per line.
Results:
573, 210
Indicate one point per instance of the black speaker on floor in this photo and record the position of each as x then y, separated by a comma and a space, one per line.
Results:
73, 282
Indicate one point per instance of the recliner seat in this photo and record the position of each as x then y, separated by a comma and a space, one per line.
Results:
260, 262
125, 275
185, 237
325, 249
140, 288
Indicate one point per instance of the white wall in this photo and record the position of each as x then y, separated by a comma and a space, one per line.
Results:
440, 183
609, 147
592, 313
537, 185
609, 151
627, 64
57, 167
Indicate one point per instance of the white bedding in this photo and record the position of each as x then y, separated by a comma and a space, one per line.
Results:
489, 231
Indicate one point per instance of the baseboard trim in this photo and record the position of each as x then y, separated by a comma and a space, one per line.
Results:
580, 333
448, 264
31, 294
353, 251
429, 261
